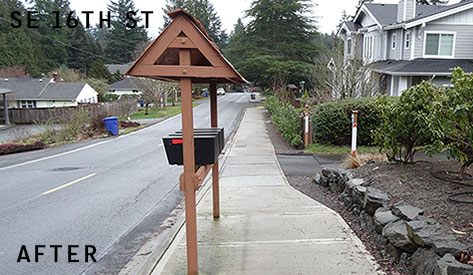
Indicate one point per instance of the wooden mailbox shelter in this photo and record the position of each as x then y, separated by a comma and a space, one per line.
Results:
185, 52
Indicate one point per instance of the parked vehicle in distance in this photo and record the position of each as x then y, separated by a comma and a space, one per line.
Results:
220, 91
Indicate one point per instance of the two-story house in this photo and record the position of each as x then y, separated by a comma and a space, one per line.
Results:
409, 43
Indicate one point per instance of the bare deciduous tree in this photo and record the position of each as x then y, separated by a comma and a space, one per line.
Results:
154, 91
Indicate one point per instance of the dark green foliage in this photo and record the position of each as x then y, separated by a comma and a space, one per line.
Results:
205, 12
99, 70
115, 77
121, 40
18, 46
84, 45
276, 47
331, 122
286, 118
408, 123
110, 97
453, 119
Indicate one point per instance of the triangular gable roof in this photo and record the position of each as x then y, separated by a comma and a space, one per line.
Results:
161, 58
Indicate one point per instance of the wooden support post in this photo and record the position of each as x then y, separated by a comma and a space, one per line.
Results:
214, 123
189, 167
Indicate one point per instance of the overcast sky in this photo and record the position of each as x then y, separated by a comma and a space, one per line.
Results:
326, 12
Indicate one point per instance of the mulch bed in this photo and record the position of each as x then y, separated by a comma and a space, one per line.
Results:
414, 184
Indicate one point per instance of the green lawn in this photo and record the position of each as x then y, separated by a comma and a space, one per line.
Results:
169, 111
323, 149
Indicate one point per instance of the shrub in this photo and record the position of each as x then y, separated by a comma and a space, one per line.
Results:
331, 122
406, 124
286, 118
454, 119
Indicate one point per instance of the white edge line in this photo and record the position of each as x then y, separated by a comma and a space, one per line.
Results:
92, 145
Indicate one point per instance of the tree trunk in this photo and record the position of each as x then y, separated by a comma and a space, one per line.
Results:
146, 109
467, 164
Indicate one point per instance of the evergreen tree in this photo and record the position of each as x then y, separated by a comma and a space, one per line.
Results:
205, 12
121, 40
56, 53
235, 45
277, 46
19, 46
98, 70
80, 39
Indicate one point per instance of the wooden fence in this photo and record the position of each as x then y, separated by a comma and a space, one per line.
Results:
31, 115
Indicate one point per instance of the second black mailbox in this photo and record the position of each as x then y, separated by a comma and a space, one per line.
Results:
207, 146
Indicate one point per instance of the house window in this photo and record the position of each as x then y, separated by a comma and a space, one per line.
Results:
349, 45
408, 40
394, 38
439, 44
27, 104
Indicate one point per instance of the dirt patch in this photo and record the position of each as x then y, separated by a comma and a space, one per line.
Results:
414, 184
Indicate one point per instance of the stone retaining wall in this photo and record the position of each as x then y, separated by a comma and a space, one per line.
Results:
400, 228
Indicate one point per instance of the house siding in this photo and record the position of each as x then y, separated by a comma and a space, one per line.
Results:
394, 54
461, 24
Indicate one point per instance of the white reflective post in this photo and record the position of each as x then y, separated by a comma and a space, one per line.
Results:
354, 122
306, 124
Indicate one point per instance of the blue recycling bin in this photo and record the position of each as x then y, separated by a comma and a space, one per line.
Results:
206, 94
111, 124
142, 103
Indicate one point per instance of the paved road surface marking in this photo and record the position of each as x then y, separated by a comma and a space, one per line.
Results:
68, 184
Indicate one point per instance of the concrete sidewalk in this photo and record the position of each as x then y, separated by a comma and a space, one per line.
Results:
266, 226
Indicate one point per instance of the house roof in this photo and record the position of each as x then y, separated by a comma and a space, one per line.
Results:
121, 68
67, 91
386, 14
422, 66
5, 91
41, 89
124, 84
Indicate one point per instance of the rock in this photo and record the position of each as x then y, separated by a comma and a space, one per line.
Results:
442, 247
396, 233
383, 216
349, 185
366, 221
406, 211
448, 265
337, 185
375, 199
423, 262
327, 172
393, 252
423, 232
359, 195
356, 211
320, 180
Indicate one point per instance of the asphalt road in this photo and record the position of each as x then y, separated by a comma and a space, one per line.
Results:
109, 194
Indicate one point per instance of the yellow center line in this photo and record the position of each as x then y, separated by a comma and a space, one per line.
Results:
260, 107
68, 184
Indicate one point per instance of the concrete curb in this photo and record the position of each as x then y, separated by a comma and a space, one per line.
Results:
134, 265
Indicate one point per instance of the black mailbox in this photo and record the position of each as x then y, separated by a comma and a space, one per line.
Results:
211, 131
206, 149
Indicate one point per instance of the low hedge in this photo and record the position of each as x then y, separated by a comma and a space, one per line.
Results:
331, 122
286, 118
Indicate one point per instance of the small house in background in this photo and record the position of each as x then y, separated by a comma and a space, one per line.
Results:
126, 86
46, 92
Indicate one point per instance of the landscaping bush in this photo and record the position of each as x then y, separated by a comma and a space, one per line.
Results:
286, 118
10, 148
407, 124
331, 122
454, 119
